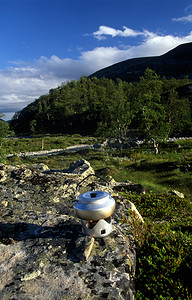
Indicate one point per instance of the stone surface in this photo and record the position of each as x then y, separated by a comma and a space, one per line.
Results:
128, 186
122, 144
42, 252
177, 193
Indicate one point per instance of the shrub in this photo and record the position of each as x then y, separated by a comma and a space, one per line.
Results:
164, 246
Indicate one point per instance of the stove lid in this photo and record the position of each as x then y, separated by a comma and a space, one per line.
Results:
94, 197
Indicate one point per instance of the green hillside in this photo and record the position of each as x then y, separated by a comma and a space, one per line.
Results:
176, 63
154, 107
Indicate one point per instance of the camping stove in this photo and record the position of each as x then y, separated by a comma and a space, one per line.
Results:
95, 208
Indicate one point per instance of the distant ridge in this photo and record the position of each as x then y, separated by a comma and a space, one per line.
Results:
175, 63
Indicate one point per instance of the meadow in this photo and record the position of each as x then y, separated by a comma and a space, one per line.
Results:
170, 169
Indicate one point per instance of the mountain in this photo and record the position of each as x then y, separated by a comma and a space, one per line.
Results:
79, 106
176, 63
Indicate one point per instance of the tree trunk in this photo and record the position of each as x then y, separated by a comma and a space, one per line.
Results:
156, 147
42, 144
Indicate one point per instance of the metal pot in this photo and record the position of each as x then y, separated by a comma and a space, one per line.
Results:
94, 205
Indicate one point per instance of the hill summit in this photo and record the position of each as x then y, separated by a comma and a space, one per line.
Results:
176, 63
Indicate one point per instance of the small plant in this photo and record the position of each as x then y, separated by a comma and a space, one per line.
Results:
137, 228
164, 246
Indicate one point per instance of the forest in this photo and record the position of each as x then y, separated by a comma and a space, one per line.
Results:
152, 108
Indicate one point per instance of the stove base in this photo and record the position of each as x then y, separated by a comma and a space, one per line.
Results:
97, 229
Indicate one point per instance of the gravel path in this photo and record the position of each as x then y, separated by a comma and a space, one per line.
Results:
53, 151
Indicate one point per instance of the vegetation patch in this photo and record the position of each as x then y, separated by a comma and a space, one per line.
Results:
170, 169
164, 246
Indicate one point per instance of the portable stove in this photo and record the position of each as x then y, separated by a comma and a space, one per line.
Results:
95, 209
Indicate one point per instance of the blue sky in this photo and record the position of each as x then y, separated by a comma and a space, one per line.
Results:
46, 42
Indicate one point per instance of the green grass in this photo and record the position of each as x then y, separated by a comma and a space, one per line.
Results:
164, 246
16, 145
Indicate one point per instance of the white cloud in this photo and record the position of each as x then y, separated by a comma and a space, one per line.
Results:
151, 45
22, 84
105, 30
185, 19
188, 9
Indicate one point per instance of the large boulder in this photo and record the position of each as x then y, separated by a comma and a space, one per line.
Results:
40, 236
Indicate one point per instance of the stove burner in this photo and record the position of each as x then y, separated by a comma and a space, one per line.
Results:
99, 229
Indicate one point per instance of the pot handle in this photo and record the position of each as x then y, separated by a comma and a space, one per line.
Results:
90, 176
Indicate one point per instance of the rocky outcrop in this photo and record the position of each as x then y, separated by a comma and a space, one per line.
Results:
41, 238
121, 143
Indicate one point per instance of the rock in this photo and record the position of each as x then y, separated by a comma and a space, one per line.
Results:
97, 146
133, 208
83, 247
5, 203
78, 148
31, 276
176, 193
115, 143
81, 167
122, 143
43, 251
128, 186
40, 167
2, 175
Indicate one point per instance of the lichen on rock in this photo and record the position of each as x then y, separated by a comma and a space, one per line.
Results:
40, 234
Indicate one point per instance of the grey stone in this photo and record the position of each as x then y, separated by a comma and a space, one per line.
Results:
177, 193
40, 239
